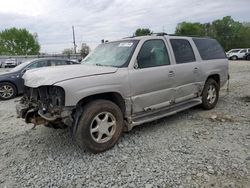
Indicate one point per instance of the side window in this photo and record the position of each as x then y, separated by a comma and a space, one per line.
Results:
183, 51
210, 49
59, 62
153, 53
243, 51
39, 64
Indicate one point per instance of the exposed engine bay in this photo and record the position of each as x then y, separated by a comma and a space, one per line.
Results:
44, 105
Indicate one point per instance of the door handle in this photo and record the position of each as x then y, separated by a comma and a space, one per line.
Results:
196, 70
171, 73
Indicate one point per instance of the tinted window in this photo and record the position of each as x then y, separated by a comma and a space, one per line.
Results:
234, 51
243, 51
153, 53
39, 64
209, 49
62, 63
183, 51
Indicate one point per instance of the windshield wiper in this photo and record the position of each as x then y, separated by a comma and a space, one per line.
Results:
101, 65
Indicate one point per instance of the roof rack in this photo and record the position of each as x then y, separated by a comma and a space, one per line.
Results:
129, 37
159, 34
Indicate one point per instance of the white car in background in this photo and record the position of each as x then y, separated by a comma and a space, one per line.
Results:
235, 54
10, 63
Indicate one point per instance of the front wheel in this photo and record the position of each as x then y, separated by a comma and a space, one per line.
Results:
234, 57
210, 94
99, 127
7, 91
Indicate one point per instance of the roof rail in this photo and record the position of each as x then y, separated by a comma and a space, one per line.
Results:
159, 34
189, 36
129, 37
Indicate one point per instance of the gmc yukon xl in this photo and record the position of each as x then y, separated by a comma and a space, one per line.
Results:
125, 83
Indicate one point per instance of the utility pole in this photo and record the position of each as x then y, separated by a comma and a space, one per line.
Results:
74, 41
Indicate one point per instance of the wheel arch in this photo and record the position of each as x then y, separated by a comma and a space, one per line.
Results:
114, 97
216, 77
7, 81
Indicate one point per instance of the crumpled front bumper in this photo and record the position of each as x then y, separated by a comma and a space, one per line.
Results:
38, 116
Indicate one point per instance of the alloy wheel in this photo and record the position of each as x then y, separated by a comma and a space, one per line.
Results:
6, 91
103, 127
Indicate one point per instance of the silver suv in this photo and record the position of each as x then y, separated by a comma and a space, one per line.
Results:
125, 83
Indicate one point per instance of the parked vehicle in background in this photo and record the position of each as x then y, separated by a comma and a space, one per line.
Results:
235, 54
12, 84
125, 83
10, 63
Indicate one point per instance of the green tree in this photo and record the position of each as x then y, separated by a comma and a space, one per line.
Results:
230, 33
143, 32
18, 42
85, 49
68, 51
187, 28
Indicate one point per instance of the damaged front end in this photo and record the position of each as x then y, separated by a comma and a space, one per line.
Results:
44, 105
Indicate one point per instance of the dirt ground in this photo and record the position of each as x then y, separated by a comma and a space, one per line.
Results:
194, 148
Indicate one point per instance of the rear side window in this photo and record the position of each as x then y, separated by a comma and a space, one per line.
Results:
243, 51
209, 49
183, 51
39, 64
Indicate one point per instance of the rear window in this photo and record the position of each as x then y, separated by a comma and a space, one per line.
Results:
209, 49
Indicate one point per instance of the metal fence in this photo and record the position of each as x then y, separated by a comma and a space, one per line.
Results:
21, 59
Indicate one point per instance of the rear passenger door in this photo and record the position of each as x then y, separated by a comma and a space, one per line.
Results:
186, 70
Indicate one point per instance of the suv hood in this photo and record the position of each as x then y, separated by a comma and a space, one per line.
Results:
52, 75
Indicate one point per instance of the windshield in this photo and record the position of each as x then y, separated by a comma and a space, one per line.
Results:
114, 54
233, 51
20, 67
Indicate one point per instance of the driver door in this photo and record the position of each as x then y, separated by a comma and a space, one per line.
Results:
152, 78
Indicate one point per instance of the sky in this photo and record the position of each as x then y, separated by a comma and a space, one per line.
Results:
95, 20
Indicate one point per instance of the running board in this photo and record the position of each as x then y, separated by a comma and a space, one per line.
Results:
144, 118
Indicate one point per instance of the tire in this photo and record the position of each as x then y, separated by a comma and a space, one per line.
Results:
7, 91
210, 94
248, 57
99, 126
234, 57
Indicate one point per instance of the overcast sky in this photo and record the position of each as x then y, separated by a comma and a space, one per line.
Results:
109, 19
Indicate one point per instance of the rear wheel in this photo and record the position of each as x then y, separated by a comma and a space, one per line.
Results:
210, 94
99, 127
7, 91
248, 57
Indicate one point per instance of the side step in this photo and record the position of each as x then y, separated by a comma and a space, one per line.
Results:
143, 118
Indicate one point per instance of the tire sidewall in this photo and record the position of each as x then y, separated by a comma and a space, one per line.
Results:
14, 89
205, 102
234, 58
83, 136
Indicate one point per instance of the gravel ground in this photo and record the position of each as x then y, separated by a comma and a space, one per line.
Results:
194, 148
